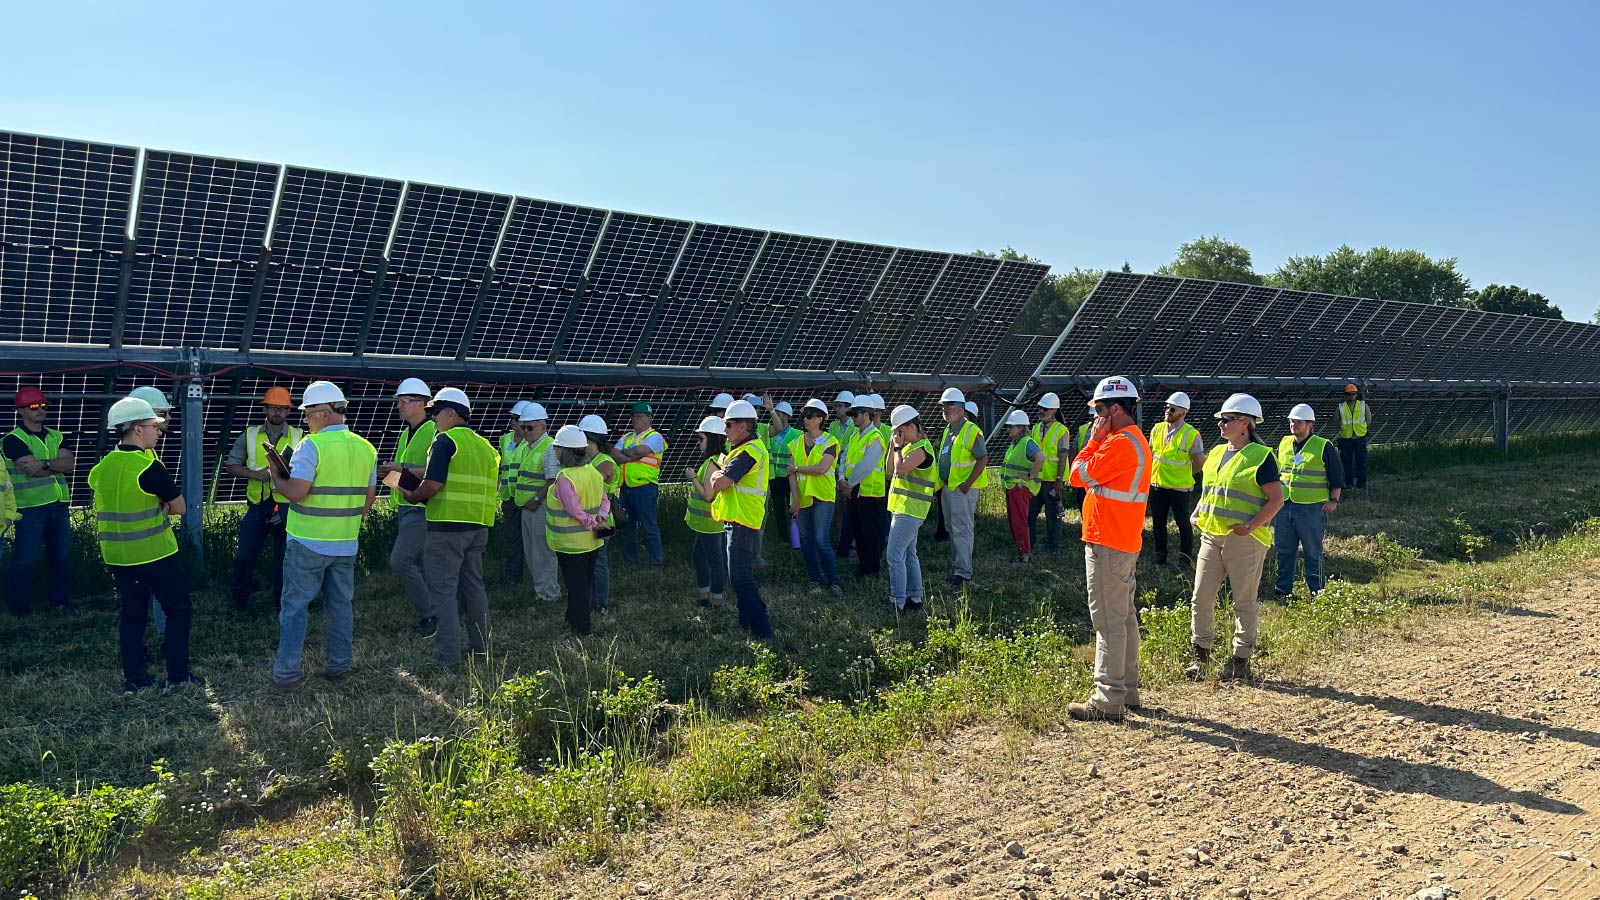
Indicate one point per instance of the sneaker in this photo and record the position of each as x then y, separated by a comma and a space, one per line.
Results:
129, 688
1087, 712
914, 605
425, 628
1024, 558
705, 599
836, 591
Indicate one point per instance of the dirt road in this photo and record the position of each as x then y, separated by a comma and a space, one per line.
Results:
1457, 757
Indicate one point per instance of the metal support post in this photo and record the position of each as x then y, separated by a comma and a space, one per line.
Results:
1502, 421
193, 465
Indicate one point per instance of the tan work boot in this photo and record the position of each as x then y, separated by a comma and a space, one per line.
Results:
1197, 669
1236, 669
1088, 712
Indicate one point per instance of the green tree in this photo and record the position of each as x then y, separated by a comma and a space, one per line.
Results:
1508, 298
1055, 299
1213, 258
1380, 273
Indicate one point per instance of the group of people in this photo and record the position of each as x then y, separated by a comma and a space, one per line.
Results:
560, 494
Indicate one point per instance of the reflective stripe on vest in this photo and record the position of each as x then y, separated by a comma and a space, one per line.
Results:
1174, 467
746, 502
331, 510
258, 440
1141, 466
46, 489
413, 451
469, 493
778, 449
961, 458
1016, 469
1353, 419
912, 493
132, 529
875, 484
1048, 436
1231, 496
530, 475
698, 515
1305, 481
646, 469
510, 465
564, 533
824, 487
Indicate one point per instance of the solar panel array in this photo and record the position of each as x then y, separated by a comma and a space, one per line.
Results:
235, 255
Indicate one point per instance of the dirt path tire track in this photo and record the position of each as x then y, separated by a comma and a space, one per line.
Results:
1458, 755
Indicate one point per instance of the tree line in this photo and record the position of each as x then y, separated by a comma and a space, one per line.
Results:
1380, 272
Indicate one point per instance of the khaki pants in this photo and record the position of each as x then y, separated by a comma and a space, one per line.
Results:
1239, 559
541, 559
1115, 618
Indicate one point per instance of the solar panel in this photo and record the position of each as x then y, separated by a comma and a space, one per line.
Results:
961, 286
1017, 358
849, 277
627, 275
995, 313
63, 221
776, 287
437, 262
904, 286
201, 225
713, 263
545, 249
327, 243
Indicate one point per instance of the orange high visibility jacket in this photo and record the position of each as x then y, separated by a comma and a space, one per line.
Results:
1115, 473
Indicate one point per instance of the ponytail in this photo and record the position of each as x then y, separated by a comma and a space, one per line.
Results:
1255, 438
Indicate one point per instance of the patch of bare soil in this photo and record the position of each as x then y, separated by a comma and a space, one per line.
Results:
1462, 759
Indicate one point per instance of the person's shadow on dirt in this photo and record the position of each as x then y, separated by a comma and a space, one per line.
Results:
1439, 715
1381, 773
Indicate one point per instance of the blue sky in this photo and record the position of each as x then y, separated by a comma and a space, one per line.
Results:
1083, 134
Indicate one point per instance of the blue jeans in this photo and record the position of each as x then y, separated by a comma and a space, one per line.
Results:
43, 530
1047, 501
905, 567
1353, 454
1301, 524
601, 597
640, 505
710, 555
743, 545
306, 573
816, 523
254, 530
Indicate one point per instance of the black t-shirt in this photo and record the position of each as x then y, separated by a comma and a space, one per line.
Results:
156, 479
15, 449
741, 466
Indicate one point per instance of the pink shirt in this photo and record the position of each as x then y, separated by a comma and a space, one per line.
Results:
568, 495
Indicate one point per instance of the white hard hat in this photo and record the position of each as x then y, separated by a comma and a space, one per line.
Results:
1017, 417
784, 407
970, 407
131, 409
952, 395
877, 401
1243, 404
846, 398
153, 396
1179, 399
902, 414
319, 392
533, 412
816, 404
721, 401
1050, 401
752, 399
414, 387
713, 425
1303, 412
592, 424
518, 407
740, 409
452, 395
572, 438
1114, 388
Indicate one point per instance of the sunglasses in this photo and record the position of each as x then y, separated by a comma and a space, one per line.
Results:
37, 406
1229, 420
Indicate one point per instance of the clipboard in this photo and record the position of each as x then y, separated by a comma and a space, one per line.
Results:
276, 462
402, 480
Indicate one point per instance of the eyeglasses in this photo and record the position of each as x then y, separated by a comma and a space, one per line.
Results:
37, 406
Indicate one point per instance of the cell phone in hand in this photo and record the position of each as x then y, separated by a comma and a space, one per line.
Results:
606, 532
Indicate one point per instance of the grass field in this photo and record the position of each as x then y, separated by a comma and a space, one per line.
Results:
457, 780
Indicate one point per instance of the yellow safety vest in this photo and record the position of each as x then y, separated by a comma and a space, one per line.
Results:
824, 487
46, 489
413, 451
1305, 478
778, 447
132, 529
332, 510
746, 502
530, 472
1231, 496
876, 484
698, 515
8, 498
564, 533
646, 469
1174, 467
1353, 419
469, 493
1016, 469
1048, 436
912, 494
258, 441
961, 458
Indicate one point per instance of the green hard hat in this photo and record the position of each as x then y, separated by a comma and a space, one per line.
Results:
643, 407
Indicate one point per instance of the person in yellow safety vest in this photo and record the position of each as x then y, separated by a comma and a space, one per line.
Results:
535, 473
813, 495
577, 521
780, 437
602, 455
863, 481
331, 485
162, 407
460, 490
1355, 419
1020, 472
8, 508
841, 429
133, 496
266, 512
38, 464
738, 495
1313, 480
1239, 495
511, 447
640, 452
1180, 456
407, 557
1081, 440
1055, 442
876, 404
710, 551
763, 429
915, 474
963, 456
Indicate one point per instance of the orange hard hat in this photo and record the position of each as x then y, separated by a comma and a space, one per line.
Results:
277, 396
1351, 389
28, 396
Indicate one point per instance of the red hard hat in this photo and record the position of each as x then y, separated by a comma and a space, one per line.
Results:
28, 396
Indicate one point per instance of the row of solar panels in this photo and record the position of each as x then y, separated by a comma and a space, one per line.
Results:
229, 254
1153, 325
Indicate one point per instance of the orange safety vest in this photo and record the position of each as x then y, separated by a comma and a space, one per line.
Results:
1115, 473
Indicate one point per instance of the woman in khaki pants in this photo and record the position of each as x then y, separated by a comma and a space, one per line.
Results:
1239, 497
